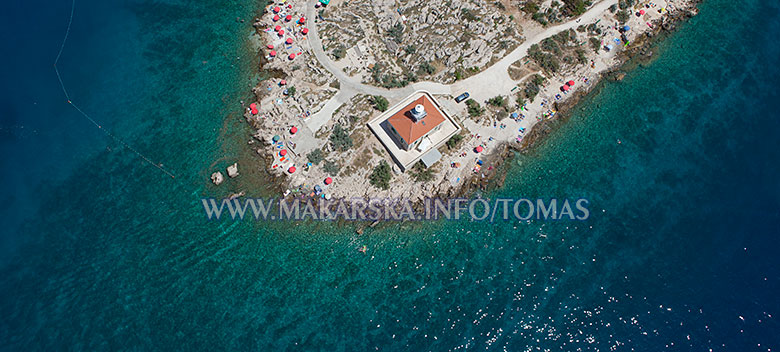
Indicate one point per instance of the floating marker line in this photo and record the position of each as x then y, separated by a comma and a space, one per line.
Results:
99, 126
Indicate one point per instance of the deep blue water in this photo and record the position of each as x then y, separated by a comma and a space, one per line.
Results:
102, 251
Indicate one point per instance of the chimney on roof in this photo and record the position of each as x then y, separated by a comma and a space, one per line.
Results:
418, 113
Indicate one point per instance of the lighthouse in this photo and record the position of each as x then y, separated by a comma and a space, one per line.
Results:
418, 113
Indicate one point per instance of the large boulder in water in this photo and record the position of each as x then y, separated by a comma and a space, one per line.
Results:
217, 178
232, 170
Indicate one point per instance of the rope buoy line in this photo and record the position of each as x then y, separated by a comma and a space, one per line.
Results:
90, 119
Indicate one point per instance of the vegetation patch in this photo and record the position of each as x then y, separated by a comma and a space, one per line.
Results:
315, 156
420, 173
453, 142
474, 109
380, 103
380, 177
340, 138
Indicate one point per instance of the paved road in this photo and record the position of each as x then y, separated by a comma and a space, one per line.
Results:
491, 82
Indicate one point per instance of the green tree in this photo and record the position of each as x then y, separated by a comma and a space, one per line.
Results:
426, 68
474, 109
622, 16
420, 173
315, 157
396, 32
381, 176
454, 141
331, 168
340, 138
339, 52
595, 43
497, 101
380, 103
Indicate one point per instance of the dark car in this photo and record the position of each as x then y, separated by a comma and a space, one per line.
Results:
462, 97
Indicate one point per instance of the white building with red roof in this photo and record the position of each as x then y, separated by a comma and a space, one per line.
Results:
414, 129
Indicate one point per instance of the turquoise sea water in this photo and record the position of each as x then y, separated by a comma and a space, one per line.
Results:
102, 251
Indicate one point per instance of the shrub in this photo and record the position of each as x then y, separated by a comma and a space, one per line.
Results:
575, 7
532, 88
376, 73
454, 141
622, 16
581, 56
468, 15
316, 156
427, 68
396, 32
331, 168
497, 101
411, 77
519, 100
381, 176
458, 74
530, 7
340, 138
474, 108
546, 60
420, 173
291, 91
339, 52
380, 103
595, 43
539, 17
410, 49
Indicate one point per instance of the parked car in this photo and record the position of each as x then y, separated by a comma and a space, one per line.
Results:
462, 97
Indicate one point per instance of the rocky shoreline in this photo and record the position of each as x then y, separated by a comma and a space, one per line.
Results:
639, 50
638, 53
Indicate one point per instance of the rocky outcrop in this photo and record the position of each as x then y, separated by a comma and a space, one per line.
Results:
232, 170
217, 178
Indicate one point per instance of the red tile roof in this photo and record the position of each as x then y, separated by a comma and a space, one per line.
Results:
411, 131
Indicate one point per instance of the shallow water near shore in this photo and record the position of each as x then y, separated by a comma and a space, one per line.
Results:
679, 162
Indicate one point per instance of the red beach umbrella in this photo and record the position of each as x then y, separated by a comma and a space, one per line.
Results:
565, 88
305, 31
283, 82
276, 18
283, 152
571, 83
253, 106
280, 32
288, 41
288, 18
641, 12
292, 56
254, 111
294, 130
270, 46
277, 28
328, 180
302, 20
277, 9
273, 53
479, 149
291, 169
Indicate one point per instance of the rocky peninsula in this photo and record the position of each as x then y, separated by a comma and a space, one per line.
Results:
335, 67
